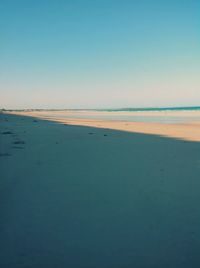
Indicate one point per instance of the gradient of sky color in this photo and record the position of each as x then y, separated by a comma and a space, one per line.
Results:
99, 53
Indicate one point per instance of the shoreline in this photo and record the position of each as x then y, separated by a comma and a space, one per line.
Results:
185, 131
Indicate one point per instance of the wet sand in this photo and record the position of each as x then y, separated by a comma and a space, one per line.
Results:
80, 196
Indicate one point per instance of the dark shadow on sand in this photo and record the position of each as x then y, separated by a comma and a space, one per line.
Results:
111, 199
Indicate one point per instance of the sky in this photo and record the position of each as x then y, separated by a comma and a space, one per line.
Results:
99, 53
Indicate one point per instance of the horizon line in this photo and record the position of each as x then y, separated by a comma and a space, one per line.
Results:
150, 108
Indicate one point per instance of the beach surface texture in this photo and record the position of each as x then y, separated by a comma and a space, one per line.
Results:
93, 195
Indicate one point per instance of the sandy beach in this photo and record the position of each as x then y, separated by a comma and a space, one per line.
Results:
87, 194
187, 130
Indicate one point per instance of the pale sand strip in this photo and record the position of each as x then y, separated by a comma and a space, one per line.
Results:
187, 131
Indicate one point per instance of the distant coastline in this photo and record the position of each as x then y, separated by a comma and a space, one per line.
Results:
184, 108
139, 109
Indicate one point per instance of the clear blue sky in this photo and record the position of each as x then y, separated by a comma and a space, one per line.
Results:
99, 53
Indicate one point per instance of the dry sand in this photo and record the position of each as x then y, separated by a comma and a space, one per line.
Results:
78, 196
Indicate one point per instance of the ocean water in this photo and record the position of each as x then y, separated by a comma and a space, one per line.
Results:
191, 108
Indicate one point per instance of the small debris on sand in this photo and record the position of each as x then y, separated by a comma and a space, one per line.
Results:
19, 142
5, 154
7, 132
